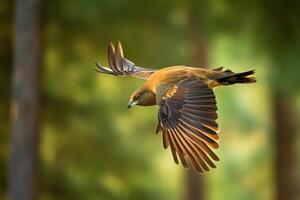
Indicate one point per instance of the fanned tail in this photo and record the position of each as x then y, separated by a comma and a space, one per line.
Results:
228, 77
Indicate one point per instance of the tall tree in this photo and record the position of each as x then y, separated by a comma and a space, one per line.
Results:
277, 35
25, 100
285, 129
282, 36
194, 182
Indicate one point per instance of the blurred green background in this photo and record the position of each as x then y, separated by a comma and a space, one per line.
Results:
92, 147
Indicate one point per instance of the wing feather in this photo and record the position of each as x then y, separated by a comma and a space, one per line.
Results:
200, 151
178, 149
187, 114
191, 152
196, 152
120, 66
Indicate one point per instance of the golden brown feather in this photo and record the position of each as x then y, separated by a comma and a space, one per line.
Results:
187, 107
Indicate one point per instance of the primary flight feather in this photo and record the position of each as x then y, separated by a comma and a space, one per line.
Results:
187, 107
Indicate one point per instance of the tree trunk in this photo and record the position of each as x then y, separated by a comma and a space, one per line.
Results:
281, 46
195, 187
194, 182
286, 132
25, 101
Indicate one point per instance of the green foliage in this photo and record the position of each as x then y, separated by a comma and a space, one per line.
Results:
92, 147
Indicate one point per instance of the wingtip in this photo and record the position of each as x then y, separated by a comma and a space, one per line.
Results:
111, 49
110, 44
119, 49
118, 43
98, 67
96, 70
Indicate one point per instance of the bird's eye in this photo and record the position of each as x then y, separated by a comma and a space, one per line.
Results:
139, 95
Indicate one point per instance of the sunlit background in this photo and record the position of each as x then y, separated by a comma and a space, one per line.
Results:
92, 147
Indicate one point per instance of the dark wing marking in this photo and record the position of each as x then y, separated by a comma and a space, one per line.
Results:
120, 66
187, 117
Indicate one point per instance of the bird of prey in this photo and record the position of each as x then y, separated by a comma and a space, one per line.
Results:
187, 109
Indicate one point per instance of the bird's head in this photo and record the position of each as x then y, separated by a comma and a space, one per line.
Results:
143, 97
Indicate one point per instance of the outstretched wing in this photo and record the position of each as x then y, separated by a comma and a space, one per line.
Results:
120, 66
186, 116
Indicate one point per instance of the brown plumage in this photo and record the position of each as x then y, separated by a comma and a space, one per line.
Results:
187, 107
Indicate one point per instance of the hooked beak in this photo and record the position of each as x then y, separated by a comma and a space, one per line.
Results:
131, 103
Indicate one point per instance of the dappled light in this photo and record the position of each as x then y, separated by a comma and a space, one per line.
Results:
90, 146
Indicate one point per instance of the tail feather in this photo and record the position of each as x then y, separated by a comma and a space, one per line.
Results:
228, 77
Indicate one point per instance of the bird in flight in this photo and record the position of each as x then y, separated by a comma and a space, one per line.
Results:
187, 109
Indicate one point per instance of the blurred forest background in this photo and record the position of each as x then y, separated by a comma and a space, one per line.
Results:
66, 132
